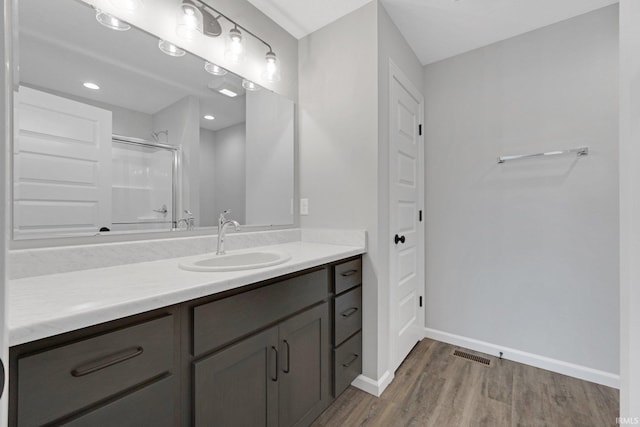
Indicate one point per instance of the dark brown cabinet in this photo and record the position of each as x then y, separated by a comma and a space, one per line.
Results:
347, 324
278, 377
268, 354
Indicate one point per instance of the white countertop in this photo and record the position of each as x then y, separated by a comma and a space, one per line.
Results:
44, 306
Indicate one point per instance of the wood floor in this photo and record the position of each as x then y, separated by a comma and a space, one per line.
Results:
434, 388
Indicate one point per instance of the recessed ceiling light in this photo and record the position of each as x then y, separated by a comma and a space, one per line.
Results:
229, 93
209, 117
111, 21
91, 86
170, 48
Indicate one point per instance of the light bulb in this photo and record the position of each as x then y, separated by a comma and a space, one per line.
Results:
188, 21
235, 50
170, 48
214, 69
271, 69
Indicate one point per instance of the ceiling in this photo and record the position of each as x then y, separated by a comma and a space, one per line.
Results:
436, 29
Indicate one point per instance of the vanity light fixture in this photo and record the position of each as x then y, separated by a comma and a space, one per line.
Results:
170, 48
208, 117
249, 85
111, 21
197, 16
271, 71
189, 21
127, 6
214, 69
234, 51
91, 86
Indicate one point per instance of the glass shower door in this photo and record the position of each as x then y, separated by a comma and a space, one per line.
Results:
144, 185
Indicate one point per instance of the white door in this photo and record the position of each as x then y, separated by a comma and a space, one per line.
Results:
406, 266
62, 166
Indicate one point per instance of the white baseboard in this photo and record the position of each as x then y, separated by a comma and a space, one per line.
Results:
542, 362
374, 387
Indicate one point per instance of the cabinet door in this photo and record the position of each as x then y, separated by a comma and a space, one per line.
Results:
238, 385
304, 379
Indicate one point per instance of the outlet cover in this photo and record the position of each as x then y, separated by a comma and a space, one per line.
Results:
304, 206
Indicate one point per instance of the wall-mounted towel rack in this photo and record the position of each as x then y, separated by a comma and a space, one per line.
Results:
581, 151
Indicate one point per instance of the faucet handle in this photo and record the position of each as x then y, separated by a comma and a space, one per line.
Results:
222, 214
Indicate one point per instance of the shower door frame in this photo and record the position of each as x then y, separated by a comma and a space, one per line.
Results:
175, 167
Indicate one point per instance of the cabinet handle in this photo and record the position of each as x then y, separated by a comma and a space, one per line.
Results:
110, 360
274, 378
286, 371
349, 312
348, 273
350, 362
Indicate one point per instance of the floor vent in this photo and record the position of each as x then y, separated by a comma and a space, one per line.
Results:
472, 357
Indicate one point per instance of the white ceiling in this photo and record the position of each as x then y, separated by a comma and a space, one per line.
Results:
436, 29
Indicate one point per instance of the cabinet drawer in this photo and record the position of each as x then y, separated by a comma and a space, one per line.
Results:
54, 383
347, 275
347, 361
220, 322
150, 406
347, 315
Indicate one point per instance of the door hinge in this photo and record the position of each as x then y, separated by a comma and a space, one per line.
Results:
420, 216
420, 301
419, 129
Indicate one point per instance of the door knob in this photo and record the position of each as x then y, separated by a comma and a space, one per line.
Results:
400, 239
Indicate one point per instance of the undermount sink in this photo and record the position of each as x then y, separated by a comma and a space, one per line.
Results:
237, 261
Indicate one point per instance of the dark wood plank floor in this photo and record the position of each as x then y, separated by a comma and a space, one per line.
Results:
434, 388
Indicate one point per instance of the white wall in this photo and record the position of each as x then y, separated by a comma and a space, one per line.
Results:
525, 254
229, 181
338, 145
269, 159
182, 120
629, 208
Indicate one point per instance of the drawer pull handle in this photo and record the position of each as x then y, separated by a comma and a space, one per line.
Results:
274, 378
349, 312
350, 362
111, 360
348, 273
286, 371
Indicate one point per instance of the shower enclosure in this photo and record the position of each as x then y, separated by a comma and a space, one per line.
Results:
144, 184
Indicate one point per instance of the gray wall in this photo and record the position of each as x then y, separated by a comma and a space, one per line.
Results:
629, 208
229, 181
338, 143
391, 47
344, 121
269, 159
525, 254
208, 215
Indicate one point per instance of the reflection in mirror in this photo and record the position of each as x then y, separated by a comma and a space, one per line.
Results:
114, 135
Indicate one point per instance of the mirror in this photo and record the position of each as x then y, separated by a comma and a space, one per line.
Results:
113, 135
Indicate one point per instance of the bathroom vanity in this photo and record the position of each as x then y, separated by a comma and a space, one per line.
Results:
275, 352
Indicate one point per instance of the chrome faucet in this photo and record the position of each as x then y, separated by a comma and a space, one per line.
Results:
223, 223
189, 221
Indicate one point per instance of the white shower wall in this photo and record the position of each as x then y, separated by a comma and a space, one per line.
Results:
525, 254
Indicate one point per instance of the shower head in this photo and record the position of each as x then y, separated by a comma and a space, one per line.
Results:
156, 135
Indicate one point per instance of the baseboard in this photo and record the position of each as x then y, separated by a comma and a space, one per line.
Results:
374, 387
542, 362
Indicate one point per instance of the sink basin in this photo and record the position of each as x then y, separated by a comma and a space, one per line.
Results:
237, 261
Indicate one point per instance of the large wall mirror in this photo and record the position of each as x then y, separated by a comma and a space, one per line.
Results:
114, 135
